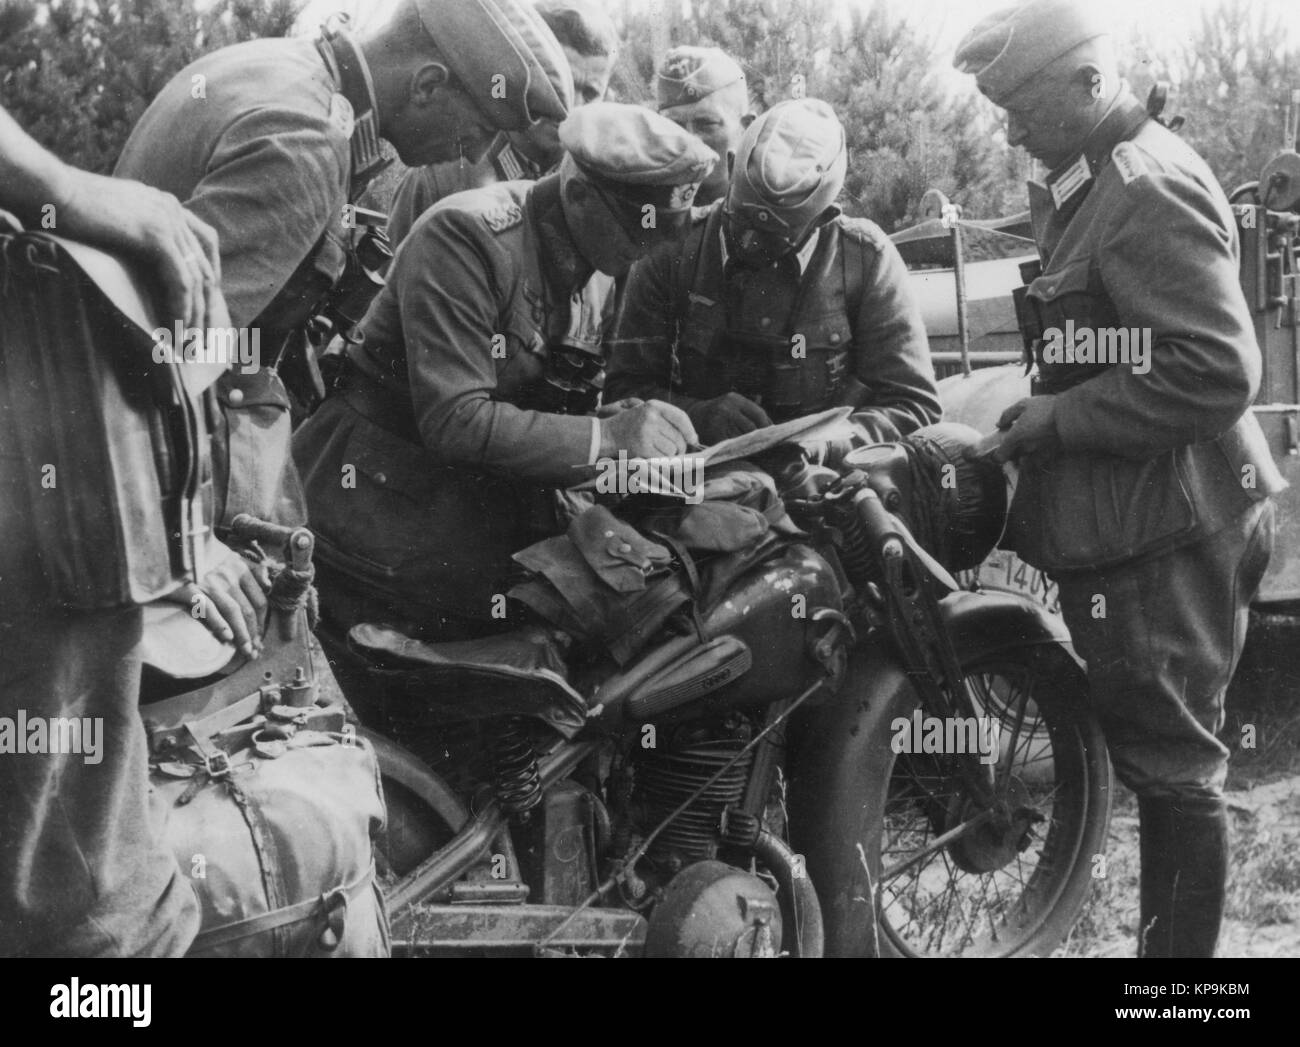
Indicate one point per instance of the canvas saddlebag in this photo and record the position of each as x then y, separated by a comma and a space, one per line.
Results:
272, 805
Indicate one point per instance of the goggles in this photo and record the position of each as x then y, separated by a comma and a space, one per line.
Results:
671, 210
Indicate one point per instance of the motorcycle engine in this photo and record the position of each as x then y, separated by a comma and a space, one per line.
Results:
712, 909
664, 776
701, 906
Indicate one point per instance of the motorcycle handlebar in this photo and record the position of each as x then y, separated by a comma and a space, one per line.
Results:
255, 530
880, 526
298, 542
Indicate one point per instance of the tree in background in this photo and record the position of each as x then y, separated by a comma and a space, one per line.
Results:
906, 132
78, 74
1234, 78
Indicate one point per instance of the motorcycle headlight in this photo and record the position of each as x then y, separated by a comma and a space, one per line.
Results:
954, 507
969, 496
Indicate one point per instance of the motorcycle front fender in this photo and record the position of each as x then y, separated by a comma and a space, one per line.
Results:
838, 769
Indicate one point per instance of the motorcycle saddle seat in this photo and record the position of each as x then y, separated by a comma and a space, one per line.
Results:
519, 673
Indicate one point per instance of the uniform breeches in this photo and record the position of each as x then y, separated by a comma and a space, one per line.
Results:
1162, 638
82, 872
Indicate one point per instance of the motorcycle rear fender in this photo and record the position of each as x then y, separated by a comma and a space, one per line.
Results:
833, 762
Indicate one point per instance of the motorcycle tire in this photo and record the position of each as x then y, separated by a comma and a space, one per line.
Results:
1012, 886
423, 813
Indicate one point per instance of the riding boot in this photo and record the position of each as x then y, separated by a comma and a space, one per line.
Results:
1184, 847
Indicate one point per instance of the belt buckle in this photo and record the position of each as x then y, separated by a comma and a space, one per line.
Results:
217, 764
335, 904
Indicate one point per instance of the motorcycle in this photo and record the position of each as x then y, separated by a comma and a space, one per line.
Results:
840, 752
767, 780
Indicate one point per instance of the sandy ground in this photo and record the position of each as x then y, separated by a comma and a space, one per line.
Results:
1263, 906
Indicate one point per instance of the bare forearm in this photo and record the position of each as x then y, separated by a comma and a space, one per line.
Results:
117, 214
30, 175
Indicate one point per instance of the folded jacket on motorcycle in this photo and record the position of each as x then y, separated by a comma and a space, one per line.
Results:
591, 609
721, 527
738, 506
616, 550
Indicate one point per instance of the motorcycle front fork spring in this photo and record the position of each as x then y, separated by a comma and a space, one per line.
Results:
516, 778
855, 551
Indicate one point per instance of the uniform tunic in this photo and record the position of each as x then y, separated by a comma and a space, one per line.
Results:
254, 140
692, 328
1156, 501
244, 138
422, 187
451, 466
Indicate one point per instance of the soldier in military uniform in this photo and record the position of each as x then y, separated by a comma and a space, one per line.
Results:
704, 91
81, 869
269, 141
472, 397
778, 306
1143, 490
590, 43
262, 143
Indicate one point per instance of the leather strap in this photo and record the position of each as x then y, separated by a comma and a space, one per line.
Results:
329, 902
683, 557
348, 66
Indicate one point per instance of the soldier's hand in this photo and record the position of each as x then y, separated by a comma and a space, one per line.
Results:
229, 600
127, 216
626, 404
1030, 426
726, 416
649, 430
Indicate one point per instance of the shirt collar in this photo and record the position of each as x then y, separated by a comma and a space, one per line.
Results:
510, 164
804, 254
354, 108
1069, 183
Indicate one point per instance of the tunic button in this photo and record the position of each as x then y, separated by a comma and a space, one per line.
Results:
835, 338
381, 479
765, 322
236, 397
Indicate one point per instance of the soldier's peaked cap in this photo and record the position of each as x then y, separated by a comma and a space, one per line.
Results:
688, 74
1009, 47
505, 57
791, 164
630, 146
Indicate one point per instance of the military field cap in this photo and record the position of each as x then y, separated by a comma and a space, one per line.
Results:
504, 56
790, 166
688, 74
637, 152
1008, 47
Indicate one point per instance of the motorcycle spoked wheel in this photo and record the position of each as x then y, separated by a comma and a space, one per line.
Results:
423, 814
1016, 885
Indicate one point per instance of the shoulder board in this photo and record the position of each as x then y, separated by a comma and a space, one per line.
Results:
1128, 161
863, 230
503, 217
